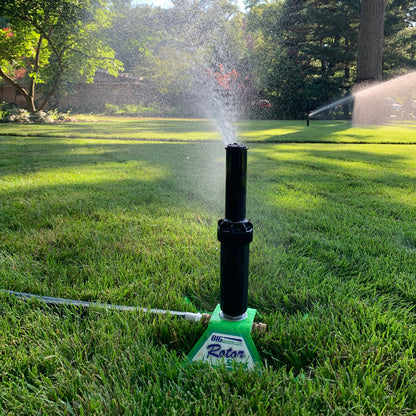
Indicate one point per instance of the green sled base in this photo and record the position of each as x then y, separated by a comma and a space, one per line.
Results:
227, 343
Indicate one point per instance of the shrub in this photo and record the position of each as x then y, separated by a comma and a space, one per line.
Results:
10, 113
154, 110
42, 117
111, 109
16, 115
133, 110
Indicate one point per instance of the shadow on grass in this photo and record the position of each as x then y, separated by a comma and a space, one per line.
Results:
292, 132
22, 155
333, 225
324, 132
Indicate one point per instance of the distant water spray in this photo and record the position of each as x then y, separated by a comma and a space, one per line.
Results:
379, 103
333, 106
387, 101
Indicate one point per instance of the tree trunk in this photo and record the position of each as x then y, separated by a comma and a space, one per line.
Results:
370, 40
30, 104
30, 99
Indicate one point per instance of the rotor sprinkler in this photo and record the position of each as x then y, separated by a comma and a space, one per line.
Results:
227, 340
235, 233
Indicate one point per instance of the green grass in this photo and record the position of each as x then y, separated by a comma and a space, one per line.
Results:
163, 129
133, 222
325, 132
132, 128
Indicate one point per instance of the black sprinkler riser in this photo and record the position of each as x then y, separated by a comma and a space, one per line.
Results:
235, 233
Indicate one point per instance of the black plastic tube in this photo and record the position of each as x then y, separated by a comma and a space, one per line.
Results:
235, 233
235, 182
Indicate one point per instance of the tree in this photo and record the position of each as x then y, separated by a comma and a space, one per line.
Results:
196, 33
134, 32
52, 40
304, 52
370, 40
399, 52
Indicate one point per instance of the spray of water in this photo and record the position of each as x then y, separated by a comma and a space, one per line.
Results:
211, 54
219, 93
380, 103
387, 101
209, 64
332, 106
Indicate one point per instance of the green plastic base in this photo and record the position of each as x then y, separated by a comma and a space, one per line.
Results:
227, 343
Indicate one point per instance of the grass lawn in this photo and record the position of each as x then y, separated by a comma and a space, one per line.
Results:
124, 211
153, 129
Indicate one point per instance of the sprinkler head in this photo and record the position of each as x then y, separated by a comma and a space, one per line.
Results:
227, 340
235, 233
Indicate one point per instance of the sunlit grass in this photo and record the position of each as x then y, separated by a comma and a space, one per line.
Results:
264, 134
325, 131
60, 200
176, 130
150, 129
332, 272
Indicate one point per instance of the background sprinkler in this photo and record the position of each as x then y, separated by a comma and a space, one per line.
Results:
227, 340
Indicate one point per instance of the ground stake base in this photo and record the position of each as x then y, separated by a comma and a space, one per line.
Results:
227, 343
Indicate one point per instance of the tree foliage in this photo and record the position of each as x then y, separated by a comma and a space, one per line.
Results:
305, 52
52, 40
399, 53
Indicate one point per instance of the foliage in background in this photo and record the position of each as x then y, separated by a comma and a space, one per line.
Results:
155, 110
298, 54
52, 40
400, 37
164, 45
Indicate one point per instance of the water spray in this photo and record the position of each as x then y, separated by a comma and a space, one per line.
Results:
227, 340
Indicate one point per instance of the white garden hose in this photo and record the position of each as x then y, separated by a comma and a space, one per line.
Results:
188, 316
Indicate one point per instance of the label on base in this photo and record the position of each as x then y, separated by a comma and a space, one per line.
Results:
220, 349
227, 343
